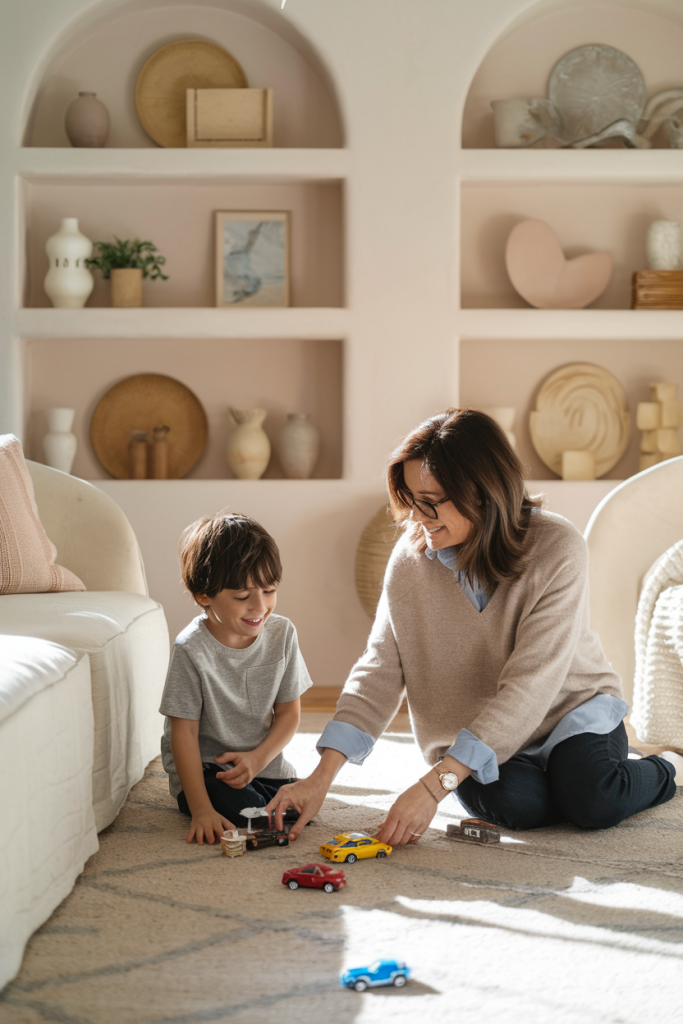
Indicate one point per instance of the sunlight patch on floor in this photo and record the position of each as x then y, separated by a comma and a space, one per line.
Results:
625, 896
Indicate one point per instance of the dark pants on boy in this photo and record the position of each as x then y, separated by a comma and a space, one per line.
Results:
588, 781
229, 802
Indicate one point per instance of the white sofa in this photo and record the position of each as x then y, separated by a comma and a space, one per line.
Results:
81, 676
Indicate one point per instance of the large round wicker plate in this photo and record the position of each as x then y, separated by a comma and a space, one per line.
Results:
161, 85
143, 402
581, 407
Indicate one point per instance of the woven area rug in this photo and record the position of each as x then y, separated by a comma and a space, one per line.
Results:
553, 925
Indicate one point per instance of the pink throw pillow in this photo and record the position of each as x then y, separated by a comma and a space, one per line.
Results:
27, 556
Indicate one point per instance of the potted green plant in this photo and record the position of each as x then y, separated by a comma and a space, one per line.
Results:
125, 263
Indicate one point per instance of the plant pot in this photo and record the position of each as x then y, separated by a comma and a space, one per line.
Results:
126, 287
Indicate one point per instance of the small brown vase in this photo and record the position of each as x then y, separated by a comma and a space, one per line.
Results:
126, 287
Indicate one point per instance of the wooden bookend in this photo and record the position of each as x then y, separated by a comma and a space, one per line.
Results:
225, 118
658, 289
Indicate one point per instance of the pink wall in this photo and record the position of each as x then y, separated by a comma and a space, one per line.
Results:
277, 375
180, 221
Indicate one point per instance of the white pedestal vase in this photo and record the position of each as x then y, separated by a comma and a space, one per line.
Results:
298, 445
59, 444
68, 282
248, 444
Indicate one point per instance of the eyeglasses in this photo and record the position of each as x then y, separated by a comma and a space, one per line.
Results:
427, 508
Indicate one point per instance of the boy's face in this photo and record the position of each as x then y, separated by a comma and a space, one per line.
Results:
236, 617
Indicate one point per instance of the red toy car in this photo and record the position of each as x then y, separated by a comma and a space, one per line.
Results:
317, 876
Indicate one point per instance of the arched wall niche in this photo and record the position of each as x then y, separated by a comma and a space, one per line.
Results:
104, 50
519, 61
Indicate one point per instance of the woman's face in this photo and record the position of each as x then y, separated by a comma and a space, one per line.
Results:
451, 527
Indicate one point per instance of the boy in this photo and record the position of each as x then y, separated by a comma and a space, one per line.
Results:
234, 681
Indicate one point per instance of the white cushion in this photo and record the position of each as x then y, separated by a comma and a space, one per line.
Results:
28, 666
126, 638
47, 826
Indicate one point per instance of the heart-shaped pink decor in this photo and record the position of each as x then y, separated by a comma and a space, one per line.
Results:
542, 274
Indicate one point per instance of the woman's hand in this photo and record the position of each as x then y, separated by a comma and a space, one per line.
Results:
207, 824
306, 796
245, 767
409, 817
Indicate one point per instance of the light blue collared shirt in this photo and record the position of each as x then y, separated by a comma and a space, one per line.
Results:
601, 714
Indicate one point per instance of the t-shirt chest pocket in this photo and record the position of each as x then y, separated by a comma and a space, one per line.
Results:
263, 684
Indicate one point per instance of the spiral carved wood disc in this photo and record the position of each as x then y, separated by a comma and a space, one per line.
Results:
581, 407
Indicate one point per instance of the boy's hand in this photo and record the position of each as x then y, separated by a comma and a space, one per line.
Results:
209, 825
246, 766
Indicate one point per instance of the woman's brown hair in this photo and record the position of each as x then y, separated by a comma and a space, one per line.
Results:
471, 458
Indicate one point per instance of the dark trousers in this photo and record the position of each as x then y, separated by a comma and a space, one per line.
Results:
588, 781
229, 802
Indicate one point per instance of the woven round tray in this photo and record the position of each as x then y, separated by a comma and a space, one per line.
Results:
165, 77
143, 402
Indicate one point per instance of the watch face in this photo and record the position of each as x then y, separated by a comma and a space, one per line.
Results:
449, 780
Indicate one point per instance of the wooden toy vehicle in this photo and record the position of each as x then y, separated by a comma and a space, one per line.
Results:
316, 876
381, 972
474, 830
351, 846
257, 839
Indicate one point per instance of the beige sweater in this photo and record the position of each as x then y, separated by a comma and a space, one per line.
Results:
508, 674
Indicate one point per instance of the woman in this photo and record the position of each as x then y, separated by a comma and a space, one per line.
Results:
483, 624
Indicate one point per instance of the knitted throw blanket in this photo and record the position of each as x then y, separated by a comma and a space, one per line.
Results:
658, 686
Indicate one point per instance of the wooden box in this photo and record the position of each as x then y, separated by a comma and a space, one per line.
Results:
223, 118
658, 289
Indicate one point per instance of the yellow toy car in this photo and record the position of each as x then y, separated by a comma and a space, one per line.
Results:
351, 846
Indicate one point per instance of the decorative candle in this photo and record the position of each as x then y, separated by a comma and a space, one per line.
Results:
578, 465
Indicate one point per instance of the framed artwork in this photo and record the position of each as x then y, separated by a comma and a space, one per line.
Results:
252, 258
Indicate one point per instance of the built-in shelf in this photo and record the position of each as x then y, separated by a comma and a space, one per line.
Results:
569, 324
191, 166
159, 322
529, 166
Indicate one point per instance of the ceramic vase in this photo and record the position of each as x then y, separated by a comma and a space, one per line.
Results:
126, 287
248, 444
68, 282
664, 245
504, 415
59, 444
298, 445
87, 121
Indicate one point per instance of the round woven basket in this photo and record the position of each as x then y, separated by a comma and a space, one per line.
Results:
374, 550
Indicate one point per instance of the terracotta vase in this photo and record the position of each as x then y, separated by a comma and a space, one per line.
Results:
59, 444
298, 445
248, 444
68, 282
87, 121
126, 287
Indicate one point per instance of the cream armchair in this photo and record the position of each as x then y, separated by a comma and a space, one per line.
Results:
81, 677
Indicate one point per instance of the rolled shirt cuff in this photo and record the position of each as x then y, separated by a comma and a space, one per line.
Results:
348, 740
477, 755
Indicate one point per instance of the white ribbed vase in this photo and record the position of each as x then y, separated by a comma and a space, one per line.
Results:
248, 444
68, 282
298, 445
59, 444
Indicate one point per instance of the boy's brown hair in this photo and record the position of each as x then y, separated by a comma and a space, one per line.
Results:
224, 552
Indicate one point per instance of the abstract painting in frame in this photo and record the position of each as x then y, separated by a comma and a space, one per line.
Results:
252, 258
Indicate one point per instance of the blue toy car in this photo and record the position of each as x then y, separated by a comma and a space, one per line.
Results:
381, 972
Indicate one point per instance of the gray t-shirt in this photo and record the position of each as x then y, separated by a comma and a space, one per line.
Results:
231, 692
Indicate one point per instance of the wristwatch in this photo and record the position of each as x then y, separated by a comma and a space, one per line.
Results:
448, 780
